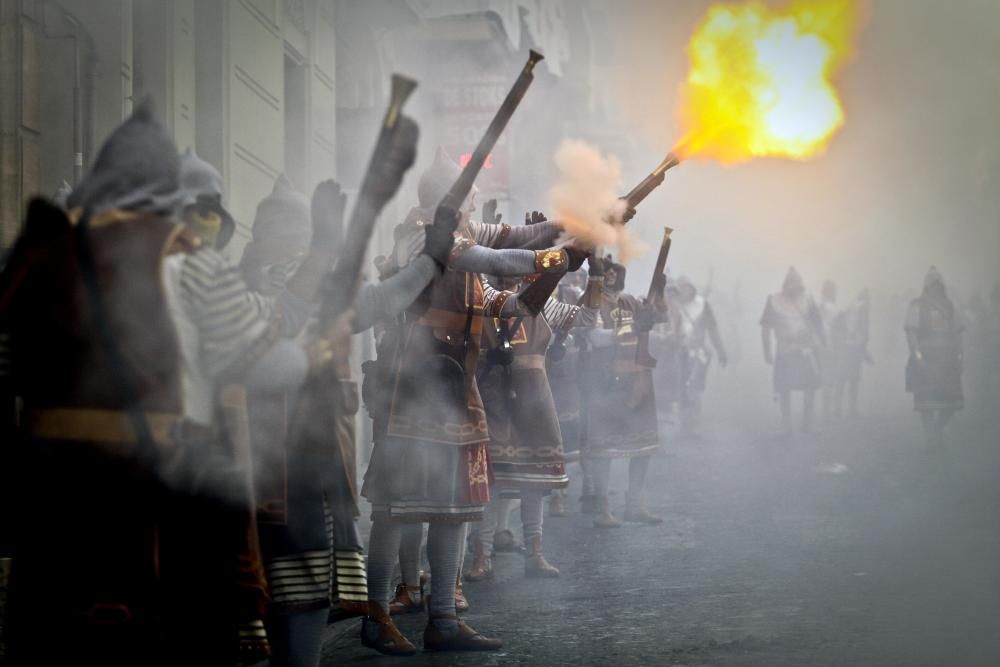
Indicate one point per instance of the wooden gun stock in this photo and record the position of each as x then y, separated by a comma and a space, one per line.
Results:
366, 210
642, 355
460, 190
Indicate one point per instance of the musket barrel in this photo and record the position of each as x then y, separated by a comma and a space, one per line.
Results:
651, 182
661, 260
362, 220
642, 355
460, 190
669, 162
400, 90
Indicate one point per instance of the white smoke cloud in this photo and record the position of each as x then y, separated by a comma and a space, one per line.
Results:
584, 198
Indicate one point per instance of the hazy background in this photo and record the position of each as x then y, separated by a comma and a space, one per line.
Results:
911, 180
260, 88
761, 534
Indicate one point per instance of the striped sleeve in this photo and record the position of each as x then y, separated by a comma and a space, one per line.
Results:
495, 302
559, 315
526, 237
490, 236
235, 326
562, 316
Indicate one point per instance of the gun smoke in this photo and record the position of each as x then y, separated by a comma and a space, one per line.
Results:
585, 199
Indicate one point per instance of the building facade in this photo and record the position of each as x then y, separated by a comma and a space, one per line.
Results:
248, 84
264, 87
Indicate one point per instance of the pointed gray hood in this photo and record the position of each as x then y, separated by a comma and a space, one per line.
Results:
135, 170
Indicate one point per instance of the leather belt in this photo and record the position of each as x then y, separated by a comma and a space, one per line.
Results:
99, 426
445, 319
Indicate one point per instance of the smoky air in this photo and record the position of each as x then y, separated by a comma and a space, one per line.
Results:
540, 332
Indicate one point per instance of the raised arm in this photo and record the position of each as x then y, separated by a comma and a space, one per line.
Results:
236, 327
563, 316
530, 237
529, 301
474, 258
395, 294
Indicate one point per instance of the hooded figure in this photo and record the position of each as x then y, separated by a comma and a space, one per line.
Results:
696, 329
437, 180
526, 449
793, 284
122, 328
430, 462
934, 330
620, 400
614, 275
797, 326
432, 188
203, 211
137, 169
281, 234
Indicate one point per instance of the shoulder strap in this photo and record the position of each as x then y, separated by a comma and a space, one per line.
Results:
470, 299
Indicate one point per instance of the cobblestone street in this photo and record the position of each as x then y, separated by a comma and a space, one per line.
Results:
854, 546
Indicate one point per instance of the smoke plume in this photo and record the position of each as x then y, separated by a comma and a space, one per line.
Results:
584, 198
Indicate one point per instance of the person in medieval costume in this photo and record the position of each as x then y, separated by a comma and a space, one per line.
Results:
561, 364
828, 359
290, 485
204, 212
621, 400
525, 438
127, 445
697, 329
793, 320
849, 340
934, 329
409, 593
429, 462
306, 485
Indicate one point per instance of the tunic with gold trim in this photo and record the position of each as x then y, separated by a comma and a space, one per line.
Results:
526, 447
525, 441
432, 462
621, 402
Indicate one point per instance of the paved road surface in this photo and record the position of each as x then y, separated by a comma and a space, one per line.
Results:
854, 546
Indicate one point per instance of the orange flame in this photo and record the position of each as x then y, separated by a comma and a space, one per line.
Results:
760, 82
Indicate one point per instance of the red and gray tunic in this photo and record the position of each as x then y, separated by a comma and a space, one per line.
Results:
798, 330
432, 462
562, 365
525, 439
621, 401
164, 565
